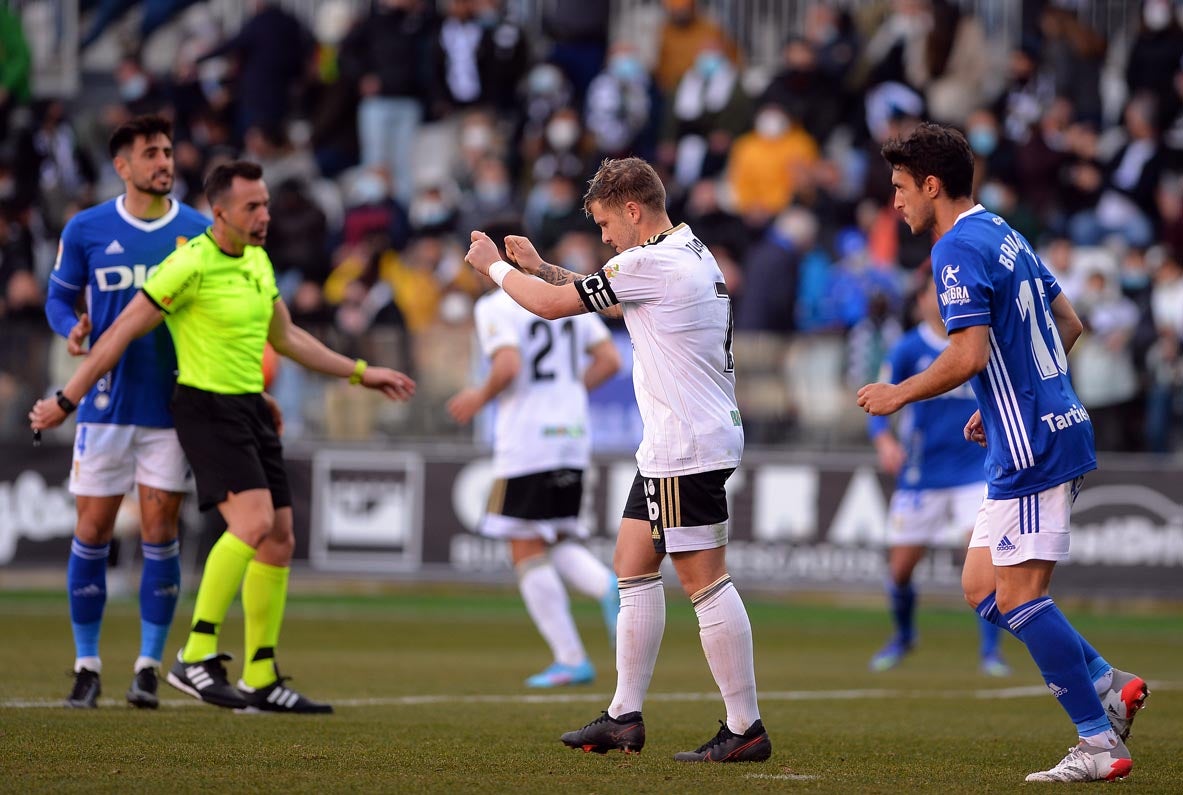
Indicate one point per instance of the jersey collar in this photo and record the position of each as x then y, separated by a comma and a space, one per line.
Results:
148, 226
975, 209
933, 339
660, 236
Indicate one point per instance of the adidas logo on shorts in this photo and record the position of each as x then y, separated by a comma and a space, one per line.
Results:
1005, 545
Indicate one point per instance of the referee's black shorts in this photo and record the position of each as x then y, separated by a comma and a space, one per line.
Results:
231, 444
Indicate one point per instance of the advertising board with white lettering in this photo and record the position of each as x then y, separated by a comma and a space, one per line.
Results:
797, 521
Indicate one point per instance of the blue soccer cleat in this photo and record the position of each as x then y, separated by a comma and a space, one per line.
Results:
560, 675
610, 604
890, 655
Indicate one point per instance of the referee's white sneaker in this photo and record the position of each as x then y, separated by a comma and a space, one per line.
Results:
1089, 763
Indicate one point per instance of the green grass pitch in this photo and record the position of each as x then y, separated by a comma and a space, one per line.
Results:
429, 696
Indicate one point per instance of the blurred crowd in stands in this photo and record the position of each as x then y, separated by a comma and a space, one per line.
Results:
388, 134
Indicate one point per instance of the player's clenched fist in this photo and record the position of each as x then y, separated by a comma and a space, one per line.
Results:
880, 399
521, 252
482, 252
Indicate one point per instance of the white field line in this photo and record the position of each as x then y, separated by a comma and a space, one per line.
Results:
578, 698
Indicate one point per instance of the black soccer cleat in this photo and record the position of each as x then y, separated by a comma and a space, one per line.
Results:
142, 693
277, 697
605, 733
727, 746
206, 680
86, 691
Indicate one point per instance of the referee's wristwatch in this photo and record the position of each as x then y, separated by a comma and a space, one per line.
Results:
67, 405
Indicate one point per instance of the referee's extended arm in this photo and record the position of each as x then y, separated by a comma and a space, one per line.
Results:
137, 319
291, 341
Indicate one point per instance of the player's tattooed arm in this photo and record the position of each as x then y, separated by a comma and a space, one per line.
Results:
556, 275
560, 276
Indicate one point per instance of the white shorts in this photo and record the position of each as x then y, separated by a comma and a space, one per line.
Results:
934, 517
110, 459
1034, 527
549, 530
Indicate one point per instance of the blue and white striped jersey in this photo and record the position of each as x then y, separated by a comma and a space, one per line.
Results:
1038, 433
930, 431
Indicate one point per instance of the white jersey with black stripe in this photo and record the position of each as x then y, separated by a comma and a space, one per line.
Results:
542, 417
678, 313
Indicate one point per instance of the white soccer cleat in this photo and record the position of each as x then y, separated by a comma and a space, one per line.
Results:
1089, 763
1125, 697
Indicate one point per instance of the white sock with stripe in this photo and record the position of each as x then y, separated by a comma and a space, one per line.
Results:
547, 603
580, 569
726, 635
638, 639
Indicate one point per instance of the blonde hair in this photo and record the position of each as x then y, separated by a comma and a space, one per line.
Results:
624, 180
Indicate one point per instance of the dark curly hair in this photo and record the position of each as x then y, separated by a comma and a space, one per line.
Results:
938, 151
140, 127
629, 179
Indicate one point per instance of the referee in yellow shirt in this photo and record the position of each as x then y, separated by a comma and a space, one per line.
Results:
218, 296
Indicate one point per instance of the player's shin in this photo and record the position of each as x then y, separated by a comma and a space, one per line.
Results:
160, 585
638, 639
1055, 647
726, 635
264, 597
224, 571
86, 582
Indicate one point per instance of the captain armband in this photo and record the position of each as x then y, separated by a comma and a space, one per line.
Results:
595, 292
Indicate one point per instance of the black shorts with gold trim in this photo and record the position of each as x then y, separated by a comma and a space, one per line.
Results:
678, 501
554, 494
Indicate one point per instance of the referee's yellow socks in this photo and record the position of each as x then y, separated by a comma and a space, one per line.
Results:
224, 570
264, 595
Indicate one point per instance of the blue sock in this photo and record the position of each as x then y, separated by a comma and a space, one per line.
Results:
1093, 659
1097, 665
903, 609
1055, 647
160, 585
86, 584
989, 638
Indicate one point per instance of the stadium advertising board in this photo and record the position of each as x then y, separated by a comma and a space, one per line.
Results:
814, 521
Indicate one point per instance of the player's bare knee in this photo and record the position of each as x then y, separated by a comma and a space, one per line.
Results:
93, 533
159, 532
256, 529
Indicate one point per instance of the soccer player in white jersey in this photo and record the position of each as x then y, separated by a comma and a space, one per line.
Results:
540, 372
125, 435
939, 481
1010, 329
668, 288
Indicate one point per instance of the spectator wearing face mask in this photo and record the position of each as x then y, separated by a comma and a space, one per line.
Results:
503, 58
433, 211
490, 197
683, 35
622, 106
804, 91
707, 111
554, 209
1155, 51
767, 163
994, 156
560, 150
1103, 371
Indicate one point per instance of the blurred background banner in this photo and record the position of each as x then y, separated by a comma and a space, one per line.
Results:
798, 521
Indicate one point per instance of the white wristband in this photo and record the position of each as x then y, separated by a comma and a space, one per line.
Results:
498, 271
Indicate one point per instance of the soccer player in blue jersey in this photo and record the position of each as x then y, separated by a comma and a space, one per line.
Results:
124, 435
1010, 329
939, 485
